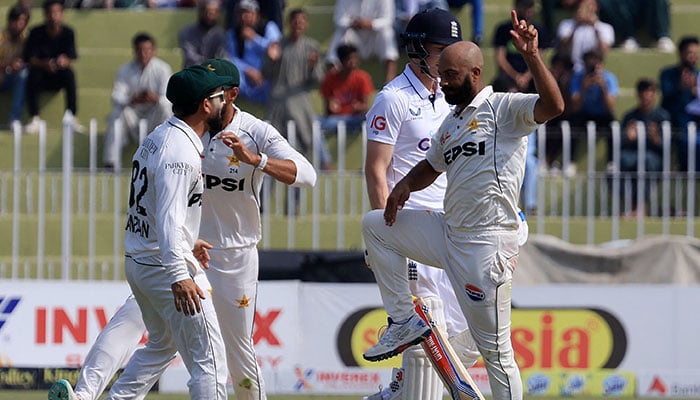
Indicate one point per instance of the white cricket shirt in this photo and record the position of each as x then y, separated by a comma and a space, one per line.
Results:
483, 151
231, 203
165, 199
404, 116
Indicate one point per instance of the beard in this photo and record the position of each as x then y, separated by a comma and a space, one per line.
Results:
215, 124
458, 94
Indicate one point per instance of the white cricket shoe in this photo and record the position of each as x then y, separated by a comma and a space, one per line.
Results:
62, 390
391, 392
665, 45
398, 337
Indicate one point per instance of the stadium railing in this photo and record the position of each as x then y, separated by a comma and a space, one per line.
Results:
69, 223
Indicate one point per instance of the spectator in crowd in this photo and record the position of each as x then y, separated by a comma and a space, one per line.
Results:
270, 10
248, 43
346, 91
477, 16
204, 39
679, 86
368, 25
584, 32
512, 69
629, 17
678, 82
293, 74
138, 93
648, 113
49, 52
562, 69
593, 92
406, 9
13, 74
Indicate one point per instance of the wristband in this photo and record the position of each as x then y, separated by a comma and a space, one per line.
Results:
263, 162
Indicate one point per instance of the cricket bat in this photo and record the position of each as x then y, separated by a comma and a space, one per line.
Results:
445, 361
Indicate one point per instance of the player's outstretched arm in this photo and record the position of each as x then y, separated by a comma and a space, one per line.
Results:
526, 40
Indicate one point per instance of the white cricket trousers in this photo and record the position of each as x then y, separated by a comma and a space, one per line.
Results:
197, 338
112, 348
480, 267
233, 274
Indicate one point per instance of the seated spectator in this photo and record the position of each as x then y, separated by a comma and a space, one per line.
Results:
346, 91
13, 74
652, 116
248, 44
368, 25
138, 93
512, 69
630, 17
49, 52
293, 75
204, 39
593, 92
562, 70
477, 17
678, 82
583, 33
406, 9
679, 86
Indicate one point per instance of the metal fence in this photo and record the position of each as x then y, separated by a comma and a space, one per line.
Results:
69, 223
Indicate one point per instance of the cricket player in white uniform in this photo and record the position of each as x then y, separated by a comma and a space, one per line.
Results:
231, 230
163, 217
481, 147
235, 162
404, 116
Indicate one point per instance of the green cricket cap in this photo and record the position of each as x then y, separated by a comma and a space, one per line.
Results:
193, 84
226, 68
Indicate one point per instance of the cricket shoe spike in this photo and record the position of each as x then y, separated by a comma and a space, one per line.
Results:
398, 337
62, 390
391, 392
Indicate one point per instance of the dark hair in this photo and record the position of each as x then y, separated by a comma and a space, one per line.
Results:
15, 12
686, 41
562, 58
185, 110
344, 51
142, 37
595, 54
296, 11
48, 3
644, 84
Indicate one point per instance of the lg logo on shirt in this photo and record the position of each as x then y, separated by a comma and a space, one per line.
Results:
467, 149
378, 123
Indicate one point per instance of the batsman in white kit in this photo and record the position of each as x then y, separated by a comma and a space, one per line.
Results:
234, 163
481, 148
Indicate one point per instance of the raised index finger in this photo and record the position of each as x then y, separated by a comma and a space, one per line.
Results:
514, 17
